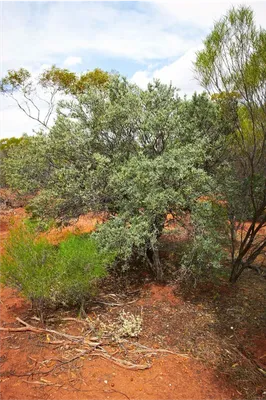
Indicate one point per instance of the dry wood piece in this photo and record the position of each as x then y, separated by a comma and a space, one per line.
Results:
122, 363
154, 351
27, 327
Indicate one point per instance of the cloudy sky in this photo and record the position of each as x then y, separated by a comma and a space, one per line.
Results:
141, 40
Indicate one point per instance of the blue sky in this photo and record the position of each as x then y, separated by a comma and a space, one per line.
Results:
142, 40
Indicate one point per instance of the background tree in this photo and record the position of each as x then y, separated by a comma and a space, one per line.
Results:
37, 96
233, 65
6, 145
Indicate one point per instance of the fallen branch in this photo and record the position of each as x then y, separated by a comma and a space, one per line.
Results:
28, 327
158, 351
114, 304
122, 363
41, 383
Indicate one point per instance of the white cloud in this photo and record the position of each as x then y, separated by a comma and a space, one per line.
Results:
13, 122
57, 29
179, 73
39, 34
70, 61
204, 13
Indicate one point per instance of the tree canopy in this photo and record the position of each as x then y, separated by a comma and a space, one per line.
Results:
133, 153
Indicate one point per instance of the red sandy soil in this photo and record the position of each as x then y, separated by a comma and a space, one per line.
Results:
84, 224
170, 377
166, 314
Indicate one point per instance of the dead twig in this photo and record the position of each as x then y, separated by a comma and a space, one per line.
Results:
116, 391
43, 383
159, 351
28, 327
114, 304
122, 363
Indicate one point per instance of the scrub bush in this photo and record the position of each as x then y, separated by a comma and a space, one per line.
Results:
53, 275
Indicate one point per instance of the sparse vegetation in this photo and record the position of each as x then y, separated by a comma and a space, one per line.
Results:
49, 275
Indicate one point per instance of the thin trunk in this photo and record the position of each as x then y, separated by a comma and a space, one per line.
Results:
248, 250
153, 258
237, 269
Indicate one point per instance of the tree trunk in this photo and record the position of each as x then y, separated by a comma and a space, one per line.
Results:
237, 269
154, 262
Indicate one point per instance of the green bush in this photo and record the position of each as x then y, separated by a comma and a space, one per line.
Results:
53, 275
81, 264
28, 264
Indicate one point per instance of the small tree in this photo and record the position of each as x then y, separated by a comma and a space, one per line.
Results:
233, 65
37, 96
127, 151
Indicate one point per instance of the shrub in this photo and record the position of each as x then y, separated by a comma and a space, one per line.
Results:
28, 264
81, 264
49, 275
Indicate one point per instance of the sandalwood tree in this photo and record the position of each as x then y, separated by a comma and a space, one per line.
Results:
136, 154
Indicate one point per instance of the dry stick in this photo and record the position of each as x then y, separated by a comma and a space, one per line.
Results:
117, 391
114, 304
33, 329
41, 383
122, 363
80, 321
62, 362
158, 351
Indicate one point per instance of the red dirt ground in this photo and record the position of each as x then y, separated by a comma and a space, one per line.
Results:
170, 377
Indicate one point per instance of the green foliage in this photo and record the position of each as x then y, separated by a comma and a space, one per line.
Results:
50, 275
97, 78
27, 166
232, 64
15, 80
7, 145
207, 246
145, 191
137, 154
81, 263
29, 265
58, 78
69, 82
38, 224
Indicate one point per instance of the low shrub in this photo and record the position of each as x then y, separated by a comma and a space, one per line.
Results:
53, 275
81, 264
29, 264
